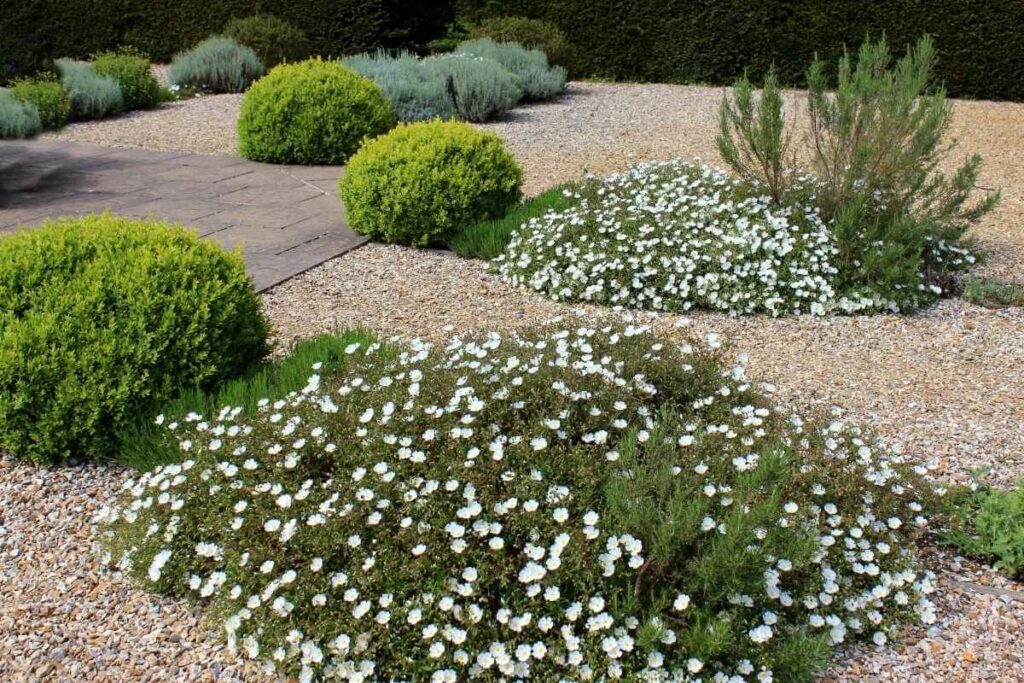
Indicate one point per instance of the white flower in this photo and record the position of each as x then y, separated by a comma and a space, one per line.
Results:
158, 562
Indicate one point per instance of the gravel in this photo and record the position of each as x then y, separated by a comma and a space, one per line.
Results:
201, 125
63, 616
945, 385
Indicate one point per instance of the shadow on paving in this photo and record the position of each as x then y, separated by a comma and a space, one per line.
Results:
287, 219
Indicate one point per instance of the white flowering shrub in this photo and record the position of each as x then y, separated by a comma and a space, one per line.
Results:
570, 505
671, 235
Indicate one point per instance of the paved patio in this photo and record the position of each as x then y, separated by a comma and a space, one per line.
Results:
287, 218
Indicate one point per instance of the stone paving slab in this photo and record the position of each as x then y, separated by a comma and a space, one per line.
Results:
287, 219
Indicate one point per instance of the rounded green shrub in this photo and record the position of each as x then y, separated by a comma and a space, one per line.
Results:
102, 319
274, 40
92, 96
311, 112
17, 119
423, 181
481, 87
580, 502
130, 68
533, 33
50, 100
217, 64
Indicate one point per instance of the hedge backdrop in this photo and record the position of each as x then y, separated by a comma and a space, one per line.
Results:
980, 42
33, 32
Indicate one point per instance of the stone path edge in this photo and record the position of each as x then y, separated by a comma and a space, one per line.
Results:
287, 218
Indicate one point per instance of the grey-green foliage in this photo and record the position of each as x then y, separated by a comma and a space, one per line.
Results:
993, 293
92, 96
752, 136
217, 64
417, 93
17, 119
481, 87
535, 77
879, 133
874, 145
990, 523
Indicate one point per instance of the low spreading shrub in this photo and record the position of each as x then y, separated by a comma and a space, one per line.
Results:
143, 445
990, 523
49, 98
481, 87
274, 40
421, 182
993, 293
869, 226
571, 504
130, 68
92, 96
487, 239
311, 112
416, 92
217, 64
103, 319
671, 236
536, 79
17, 119
532, 33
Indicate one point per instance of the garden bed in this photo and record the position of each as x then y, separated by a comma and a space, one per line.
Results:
946, 384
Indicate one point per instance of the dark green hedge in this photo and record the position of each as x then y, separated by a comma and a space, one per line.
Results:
34, 32
980, 42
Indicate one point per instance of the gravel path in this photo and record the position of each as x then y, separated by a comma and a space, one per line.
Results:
201, 125
947, 384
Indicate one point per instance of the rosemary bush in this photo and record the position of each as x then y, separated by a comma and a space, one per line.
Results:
875, 144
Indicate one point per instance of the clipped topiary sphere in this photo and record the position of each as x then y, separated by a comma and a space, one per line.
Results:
102, 319
311, 112
422, 181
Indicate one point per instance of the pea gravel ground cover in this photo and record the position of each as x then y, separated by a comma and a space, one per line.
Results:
947, 384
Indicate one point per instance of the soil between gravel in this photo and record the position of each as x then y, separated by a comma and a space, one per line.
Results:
945, 385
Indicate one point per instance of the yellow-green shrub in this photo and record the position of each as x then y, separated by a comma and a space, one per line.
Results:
130, 68
50, 99
423, 181
102, 319
311, 112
